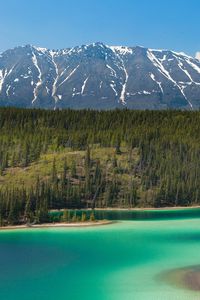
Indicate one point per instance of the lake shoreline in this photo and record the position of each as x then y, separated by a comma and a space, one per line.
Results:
149, 208
134, 209
58, 225
95, 223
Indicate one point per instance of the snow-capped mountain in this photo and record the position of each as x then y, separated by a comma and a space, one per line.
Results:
100, 77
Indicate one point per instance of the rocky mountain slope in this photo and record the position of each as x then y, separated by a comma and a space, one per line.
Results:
100, 77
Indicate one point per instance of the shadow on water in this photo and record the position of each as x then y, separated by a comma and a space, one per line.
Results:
183, 278
149, 215
140, 215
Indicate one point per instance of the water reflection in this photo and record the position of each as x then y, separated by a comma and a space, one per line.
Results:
143, 215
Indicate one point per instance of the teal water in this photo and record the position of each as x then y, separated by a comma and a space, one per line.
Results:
141, 215
121, 261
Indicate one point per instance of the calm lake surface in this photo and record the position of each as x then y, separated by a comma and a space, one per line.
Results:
122, 261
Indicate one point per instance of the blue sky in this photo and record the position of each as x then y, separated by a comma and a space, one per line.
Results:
169, 24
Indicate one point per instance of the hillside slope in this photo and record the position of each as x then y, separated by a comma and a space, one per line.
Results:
86, 159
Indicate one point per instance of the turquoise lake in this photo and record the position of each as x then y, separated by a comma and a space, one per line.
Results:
121, 261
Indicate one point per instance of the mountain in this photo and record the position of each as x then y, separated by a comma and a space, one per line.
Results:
100, 77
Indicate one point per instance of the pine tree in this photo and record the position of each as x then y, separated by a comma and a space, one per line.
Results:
64, 175
73, 169
83, 217
54, 177
87, 173
66, 216
92, 216
74, 218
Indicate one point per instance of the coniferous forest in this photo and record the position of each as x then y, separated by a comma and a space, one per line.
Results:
96, 159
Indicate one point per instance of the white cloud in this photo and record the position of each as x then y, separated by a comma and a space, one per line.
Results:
198, 55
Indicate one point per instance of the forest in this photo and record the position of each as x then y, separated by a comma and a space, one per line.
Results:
70, 159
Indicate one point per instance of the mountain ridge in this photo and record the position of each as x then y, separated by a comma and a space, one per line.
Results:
99, 76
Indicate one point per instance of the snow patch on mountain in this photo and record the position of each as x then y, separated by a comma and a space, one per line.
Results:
56, 77
3, 75
158, 83
113, 87
113, 72
84, 85
69, 76
122, 50
164, 72
39, 82
194, 66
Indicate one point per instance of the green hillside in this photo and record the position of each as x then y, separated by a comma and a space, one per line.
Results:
87, 159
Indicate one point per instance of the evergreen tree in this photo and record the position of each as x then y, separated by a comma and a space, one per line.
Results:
92, 216
73, 169
66, 216
54, 172
83, 217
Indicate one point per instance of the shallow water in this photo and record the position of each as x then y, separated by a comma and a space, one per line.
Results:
122, 261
